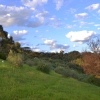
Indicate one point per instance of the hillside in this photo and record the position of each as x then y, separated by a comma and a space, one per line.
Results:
27, 83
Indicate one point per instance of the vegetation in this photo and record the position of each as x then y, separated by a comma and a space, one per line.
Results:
15, 59
27, 83
25, 74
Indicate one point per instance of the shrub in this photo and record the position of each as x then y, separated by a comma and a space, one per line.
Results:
94, 80
15, 58
76, 67
72, 73
36, 61
43, 66
2, 55
29, 62
60, 70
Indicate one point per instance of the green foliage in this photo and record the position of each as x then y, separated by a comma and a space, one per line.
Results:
29, 62
94, 80
73, 65
66, 72
72, 73
15, 58
43, 66
36, 61
3, 55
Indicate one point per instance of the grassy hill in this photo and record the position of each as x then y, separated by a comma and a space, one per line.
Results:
27, 83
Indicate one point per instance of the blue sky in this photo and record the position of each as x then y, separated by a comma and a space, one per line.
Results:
51, 25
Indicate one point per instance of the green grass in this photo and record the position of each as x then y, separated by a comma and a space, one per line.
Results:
27, 83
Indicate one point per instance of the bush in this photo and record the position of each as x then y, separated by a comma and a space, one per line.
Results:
3, 55
36, 61
29, 62
94, 80
75, 67
43, 66
72, 73
60, 70
15, 58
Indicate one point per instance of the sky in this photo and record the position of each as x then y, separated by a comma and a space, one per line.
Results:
51, 25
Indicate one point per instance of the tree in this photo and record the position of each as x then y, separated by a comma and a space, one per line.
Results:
94, 45
91, 63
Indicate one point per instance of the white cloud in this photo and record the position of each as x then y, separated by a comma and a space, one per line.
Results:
52, 18
9, 35
99, 11
98, 28
74, 46
57, 50
33, 3
71, 10
22, 16
20, 32
59, 4
97, 25
81, 15
53, 45
18, 35
93, 6
83, 23
39, 19
59, 46
80, 36
36, 49
10, 15
49, 42
70, 26
55, 22
36, 31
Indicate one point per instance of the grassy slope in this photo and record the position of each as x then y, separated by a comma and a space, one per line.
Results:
27, 83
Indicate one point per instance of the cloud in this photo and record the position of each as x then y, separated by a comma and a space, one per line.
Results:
22, 16
80, 36
85, 23
98, 28
55, 22
18, 35
97, 25
38, 20
71, 10
93, 6
53, 45
36, 31
49, 42
70, 26
99, 11
36, 49
81, 15
33, 3
59, 4
12, 15
59, 46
